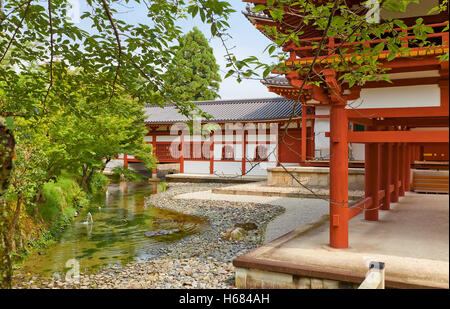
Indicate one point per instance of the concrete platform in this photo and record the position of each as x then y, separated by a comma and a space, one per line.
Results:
263, 189
412, 239
214, 178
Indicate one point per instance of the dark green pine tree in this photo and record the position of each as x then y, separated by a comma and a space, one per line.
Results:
193, 73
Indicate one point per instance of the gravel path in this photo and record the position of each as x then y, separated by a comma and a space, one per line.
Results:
198, 261
298, 211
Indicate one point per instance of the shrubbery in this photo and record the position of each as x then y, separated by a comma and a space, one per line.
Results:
128, 174
61, 200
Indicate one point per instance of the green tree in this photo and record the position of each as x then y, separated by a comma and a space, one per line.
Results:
193, 73
114, 58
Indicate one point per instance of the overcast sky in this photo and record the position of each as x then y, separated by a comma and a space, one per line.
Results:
247, 41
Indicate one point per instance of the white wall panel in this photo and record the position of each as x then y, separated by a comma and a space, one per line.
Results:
168, 138
356, 151
196, 167
260, 169
396, 97
322, 143
228, 168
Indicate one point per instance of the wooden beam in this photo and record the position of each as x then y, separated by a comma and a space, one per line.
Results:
357, 208
413, 122
398, 137
362, 113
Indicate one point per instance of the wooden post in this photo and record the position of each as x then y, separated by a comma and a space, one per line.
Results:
304, 135
401, 165
373, 181
338, 177
211, 153
125, 161
408, 168
244, 151
182, 153
395, 172
154, 171
387, 175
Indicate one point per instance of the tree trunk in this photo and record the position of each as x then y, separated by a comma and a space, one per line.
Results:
7, 144
12, 228
37, 200
84, 177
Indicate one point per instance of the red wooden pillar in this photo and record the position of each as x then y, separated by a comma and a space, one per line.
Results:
304, 134
244, 151
182, 153
125, 161
395, 172
401, 165
154, 171
338, 177
372, 180
407, 167
387, 175
211, 153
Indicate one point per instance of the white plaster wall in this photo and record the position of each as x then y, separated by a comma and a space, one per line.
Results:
263, 137
196, 167
250, 151
397, 97
322, 125
356, 151
228, 168
112, 164
290, 164
260, 169
148, 138
231, 138
168, 138
237, 151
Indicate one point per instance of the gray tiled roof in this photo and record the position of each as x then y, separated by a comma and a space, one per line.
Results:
276, 81
228, 110
251, 13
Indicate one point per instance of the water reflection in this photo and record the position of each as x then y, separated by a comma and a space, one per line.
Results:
120, 220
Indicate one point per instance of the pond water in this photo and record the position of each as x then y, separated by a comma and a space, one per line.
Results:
116, 234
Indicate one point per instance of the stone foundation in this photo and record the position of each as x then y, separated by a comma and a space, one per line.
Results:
315, 177
258, 279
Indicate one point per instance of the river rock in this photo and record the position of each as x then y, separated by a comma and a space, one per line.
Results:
248, 226
161, 232
235, 233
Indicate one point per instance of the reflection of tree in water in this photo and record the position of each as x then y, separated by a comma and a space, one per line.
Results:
118, 234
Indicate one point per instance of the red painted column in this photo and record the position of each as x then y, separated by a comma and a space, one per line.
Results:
304, 135
338, 177
387, 174
401, 165
154, 171
395, 172
182, 153
211, 153
373, 179
244, 151
125, 161
407, 168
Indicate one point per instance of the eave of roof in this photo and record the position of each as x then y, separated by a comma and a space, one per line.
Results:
246, 110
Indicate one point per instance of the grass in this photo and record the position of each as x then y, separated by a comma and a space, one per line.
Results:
63, 198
